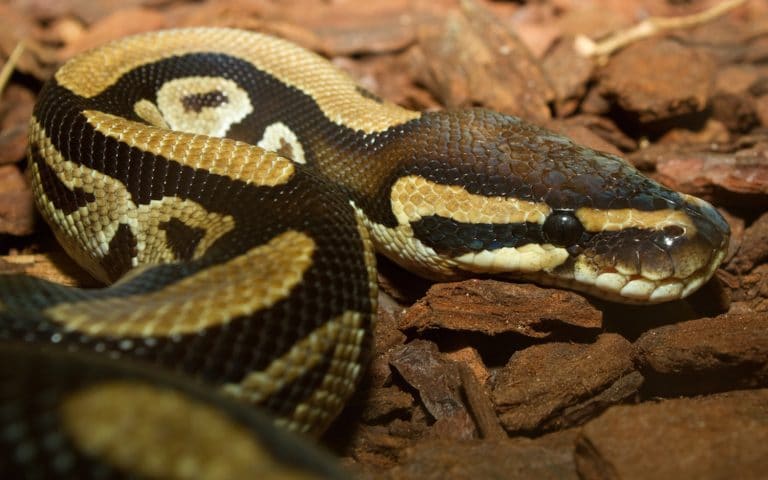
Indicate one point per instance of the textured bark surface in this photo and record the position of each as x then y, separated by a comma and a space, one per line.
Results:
710, 437
491, 307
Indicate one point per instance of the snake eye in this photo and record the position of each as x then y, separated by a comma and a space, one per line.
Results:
562, 228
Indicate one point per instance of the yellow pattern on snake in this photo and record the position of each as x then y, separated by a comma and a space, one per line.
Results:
232, 186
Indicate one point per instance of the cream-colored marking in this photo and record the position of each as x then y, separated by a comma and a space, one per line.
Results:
304, 355
526, 258
213, 121
638, 288
338, 383
370, 257
585, 272
242, 286
626, 269
697, 279
221, 156
630, 287
596, 220
702, 204
414, 197
87, 232
149, 112
400, 244
666, 291
611, 281
693, 285
660, 270
274, 138
160, 433
151, 238
340, 340
661, 291
336, 94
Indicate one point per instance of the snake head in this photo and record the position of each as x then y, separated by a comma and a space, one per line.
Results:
636, 255
504, 197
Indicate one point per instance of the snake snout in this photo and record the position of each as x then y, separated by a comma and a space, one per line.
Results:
658, 263
685, 255
708, 243
710, 225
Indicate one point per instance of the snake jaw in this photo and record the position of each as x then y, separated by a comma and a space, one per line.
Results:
648, 266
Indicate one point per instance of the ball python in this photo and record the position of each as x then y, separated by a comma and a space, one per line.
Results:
231, 188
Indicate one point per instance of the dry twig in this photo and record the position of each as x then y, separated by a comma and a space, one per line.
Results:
650, 26
10, 65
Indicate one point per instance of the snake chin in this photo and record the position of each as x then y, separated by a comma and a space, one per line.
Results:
615, 286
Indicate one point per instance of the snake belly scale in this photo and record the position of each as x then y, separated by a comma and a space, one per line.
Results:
231, 187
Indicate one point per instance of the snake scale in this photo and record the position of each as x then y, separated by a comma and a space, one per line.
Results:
231, 187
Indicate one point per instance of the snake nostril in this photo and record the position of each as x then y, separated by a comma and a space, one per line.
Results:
674, 231
669, 236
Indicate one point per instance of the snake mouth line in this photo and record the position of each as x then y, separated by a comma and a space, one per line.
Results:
631, 288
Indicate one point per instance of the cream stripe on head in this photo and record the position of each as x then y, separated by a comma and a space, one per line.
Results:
596, 220
336, 94
415, 197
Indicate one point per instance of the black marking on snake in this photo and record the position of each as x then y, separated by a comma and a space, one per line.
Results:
63, 198
449, 237
196, 102
285, 150
364, 92
299, 390
122, 249
181, 238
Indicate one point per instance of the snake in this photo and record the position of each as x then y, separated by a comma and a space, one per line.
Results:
232, 189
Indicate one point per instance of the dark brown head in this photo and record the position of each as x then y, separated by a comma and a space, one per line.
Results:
490, 193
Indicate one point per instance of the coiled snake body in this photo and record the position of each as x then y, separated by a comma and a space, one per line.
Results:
247, 261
